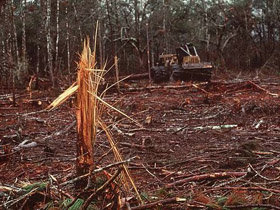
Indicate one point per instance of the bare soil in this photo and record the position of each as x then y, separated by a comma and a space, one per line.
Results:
211, 144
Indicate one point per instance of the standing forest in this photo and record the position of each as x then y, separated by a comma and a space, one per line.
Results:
44, 37
139, 104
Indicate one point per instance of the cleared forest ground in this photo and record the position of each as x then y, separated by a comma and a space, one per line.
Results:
210, 144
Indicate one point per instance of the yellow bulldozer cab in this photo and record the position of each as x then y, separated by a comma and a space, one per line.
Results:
168, 59
191, 59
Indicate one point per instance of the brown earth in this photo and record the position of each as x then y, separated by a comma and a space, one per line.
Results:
190, 131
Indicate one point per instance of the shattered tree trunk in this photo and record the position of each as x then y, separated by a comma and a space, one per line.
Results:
86, 113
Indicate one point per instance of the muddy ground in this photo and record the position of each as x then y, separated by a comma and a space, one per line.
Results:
213, 145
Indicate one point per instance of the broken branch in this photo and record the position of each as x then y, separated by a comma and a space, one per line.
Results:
207, 176
98, 170
100, 189
264, 90
163, 202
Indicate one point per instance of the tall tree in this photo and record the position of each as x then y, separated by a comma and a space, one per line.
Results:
219, 28
15, 50
57, 36
23, 44
49, 41
67, 39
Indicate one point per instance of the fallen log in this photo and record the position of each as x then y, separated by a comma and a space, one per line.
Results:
136, 77
128, 78
206, 176
161, 87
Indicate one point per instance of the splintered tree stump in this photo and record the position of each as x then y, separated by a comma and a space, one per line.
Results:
86, 117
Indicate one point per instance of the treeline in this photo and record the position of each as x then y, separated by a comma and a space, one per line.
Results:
44, 37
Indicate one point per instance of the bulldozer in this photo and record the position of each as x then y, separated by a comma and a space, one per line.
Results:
185, 65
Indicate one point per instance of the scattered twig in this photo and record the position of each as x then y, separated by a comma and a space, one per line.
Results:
162, 87
262, 89
151, 173
7, 108
97, 170
176, 130
165, 201
14, 201
206, 176
100, 189
136, 76
23, 204
9, 189
60, 132
8, 154
25, 144
102, 156
183, 161
245, 206
133, 145
263, 177
122, 132
24, 114
234, 180
215, 127
146, 129
201, 89
242, 188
